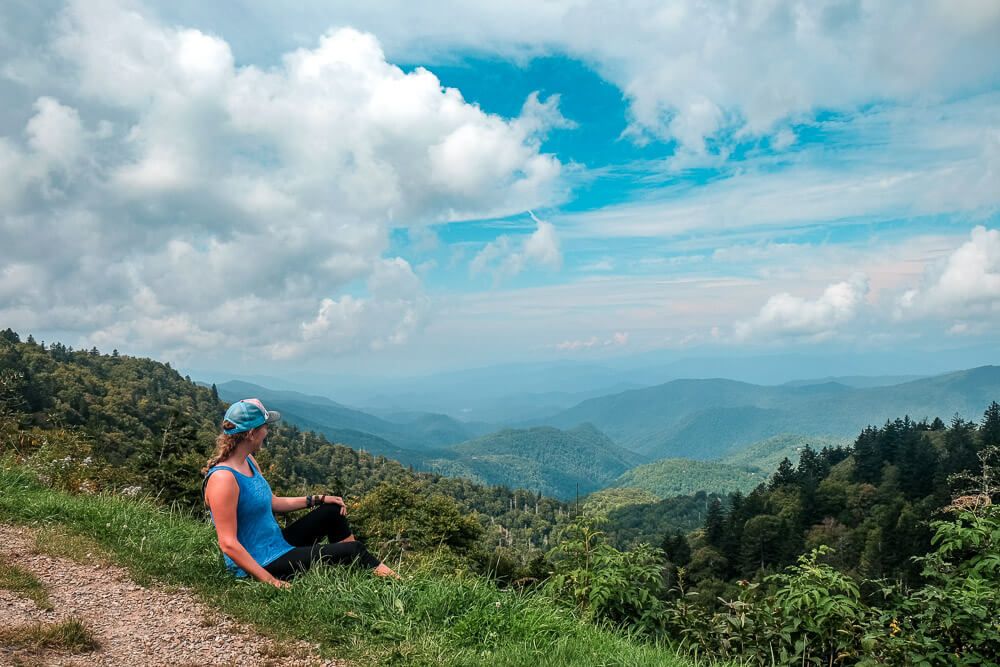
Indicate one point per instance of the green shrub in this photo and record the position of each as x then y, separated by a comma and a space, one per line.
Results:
404, 517
955, 617
811, 614
624, 588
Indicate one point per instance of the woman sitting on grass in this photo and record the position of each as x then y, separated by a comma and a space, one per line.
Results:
243, 506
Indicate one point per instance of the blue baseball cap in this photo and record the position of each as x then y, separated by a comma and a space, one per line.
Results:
248, 414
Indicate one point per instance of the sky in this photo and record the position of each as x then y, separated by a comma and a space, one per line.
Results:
401, 187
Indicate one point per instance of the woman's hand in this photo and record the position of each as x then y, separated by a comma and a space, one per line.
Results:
278, 583
336, 500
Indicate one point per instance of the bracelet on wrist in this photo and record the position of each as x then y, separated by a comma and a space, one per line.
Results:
309, 501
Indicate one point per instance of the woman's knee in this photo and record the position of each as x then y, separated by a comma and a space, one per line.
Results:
336, 523
342, 552
352, 548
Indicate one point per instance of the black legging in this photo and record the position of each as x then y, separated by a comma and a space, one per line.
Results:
305, 534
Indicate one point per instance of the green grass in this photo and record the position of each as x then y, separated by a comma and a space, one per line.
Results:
56, 540
426, 619
69, 635
21, 581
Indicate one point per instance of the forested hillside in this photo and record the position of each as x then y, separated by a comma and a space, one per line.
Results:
870, 503
564, 464
767, 454
743, 470
676, 477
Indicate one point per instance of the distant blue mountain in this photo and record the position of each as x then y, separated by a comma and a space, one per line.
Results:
708, 419
409, 440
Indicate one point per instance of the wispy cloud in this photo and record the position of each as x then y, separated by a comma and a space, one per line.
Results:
507, 256
888, 164
618, 339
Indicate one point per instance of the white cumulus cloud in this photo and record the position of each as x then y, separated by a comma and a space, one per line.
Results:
964, 287
168, 198
702, 73
789, 316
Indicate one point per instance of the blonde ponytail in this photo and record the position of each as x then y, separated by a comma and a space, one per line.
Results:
225, 444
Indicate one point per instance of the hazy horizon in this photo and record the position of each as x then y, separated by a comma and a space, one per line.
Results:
508, 381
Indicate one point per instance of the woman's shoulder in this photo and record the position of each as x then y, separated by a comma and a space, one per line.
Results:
220, 470
220, 483
220, 474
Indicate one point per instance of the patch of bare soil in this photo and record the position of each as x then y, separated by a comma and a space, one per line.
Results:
134, 625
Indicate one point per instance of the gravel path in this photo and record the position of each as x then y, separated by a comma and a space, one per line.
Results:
133, 624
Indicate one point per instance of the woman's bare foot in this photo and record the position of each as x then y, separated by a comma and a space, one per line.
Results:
384, 570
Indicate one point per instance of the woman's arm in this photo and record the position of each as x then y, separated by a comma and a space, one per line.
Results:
282, 504
222, 494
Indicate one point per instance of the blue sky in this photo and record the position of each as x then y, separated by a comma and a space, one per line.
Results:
389, 188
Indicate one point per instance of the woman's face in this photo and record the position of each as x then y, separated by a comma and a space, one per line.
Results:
260, 433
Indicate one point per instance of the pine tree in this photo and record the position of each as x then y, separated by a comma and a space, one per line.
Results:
867, 456
960, 450
871, 555
917, 462
713, 523
989, 431
785, 475
762, 539
676, 548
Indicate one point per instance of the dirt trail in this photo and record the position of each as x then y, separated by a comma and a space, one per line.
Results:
134, 625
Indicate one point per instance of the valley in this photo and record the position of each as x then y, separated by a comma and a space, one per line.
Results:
676, 438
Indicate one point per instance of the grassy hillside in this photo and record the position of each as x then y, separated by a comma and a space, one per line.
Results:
677, 477
429, 618
707, 419
558, 463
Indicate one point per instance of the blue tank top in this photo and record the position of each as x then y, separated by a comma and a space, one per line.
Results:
256, 528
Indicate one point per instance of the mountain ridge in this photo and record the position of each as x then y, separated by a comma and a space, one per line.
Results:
710, 418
